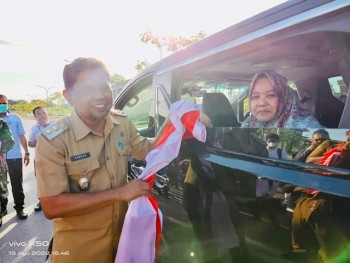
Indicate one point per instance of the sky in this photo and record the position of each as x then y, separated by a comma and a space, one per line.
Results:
38, 37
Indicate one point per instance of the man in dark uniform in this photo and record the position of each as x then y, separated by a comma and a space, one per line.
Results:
14, 158
81, 166
6, 144
318, 137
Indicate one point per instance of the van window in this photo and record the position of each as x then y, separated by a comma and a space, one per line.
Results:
234, 90
138, 109
338, 87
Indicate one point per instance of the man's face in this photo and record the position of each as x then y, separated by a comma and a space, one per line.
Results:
91, 96
318, 138
272, 143
41, 116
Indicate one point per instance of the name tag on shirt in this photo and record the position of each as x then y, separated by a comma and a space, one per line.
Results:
80, 157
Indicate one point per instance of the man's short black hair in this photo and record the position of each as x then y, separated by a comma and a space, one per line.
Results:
272, 136
36, 108
78, 65
322, 131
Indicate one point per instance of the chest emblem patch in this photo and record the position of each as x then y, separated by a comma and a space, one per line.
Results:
121, 145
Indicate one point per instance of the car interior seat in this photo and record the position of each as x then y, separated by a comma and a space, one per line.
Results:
218, 108
329, 108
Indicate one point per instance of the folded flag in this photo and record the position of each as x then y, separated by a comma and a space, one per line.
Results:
141, 233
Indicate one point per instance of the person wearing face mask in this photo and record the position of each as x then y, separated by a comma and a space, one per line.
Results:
272, 141
43, 121
266, 188
14, 158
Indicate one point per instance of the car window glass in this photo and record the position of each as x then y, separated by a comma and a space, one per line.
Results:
339, 88
234, 90
138, 109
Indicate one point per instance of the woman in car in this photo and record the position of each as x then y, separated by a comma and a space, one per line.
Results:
274, 104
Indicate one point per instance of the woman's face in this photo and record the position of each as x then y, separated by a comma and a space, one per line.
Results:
263, 101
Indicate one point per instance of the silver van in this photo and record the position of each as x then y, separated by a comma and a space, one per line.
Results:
308, 42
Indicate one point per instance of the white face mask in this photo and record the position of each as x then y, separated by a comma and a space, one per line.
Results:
272, 145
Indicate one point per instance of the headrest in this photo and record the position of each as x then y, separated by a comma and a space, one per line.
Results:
219, 110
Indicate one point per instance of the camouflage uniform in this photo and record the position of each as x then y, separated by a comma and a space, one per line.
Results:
6, 144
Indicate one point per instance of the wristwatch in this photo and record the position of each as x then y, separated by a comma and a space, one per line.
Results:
27, 154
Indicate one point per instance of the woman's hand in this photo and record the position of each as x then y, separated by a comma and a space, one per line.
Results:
205, 120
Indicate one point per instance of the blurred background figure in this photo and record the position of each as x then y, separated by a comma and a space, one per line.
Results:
6, 143
14, 158
42, 118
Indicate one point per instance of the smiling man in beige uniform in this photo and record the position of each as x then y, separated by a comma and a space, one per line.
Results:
82, 168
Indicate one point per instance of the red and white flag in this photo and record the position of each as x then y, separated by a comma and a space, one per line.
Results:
140, 237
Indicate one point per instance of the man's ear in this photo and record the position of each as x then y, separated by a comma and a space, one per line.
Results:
67, 96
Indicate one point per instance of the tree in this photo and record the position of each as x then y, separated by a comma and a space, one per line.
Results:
57, 98
116, 78
171, 43
292, 138
141, 65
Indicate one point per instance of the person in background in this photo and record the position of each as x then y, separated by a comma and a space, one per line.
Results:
41, 116
265, 188
272, 141
14, 158
318, 137
320, 220
81, 166
6, 144
317, 154
273, 104
301, 250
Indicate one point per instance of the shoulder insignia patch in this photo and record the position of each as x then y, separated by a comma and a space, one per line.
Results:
118, 112
54, 130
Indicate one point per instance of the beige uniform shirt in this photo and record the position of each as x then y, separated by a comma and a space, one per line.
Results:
69, 151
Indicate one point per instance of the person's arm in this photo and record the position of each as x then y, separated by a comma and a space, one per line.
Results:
6, 140
23, 141
317, 154
161, 130
302, 155
32, 138
32, 144
68, 204
314, 159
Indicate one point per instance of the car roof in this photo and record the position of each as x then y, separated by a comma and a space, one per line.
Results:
295, 11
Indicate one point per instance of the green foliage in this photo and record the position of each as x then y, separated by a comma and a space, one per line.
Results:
292, 138
56, 107
116, 78
171, 43
141, 65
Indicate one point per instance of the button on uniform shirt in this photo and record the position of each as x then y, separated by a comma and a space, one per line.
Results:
16, 128
70, 152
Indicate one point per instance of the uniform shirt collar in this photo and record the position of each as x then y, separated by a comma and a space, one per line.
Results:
81, 130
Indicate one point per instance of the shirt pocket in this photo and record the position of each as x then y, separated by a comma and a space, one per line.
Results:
80, 174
